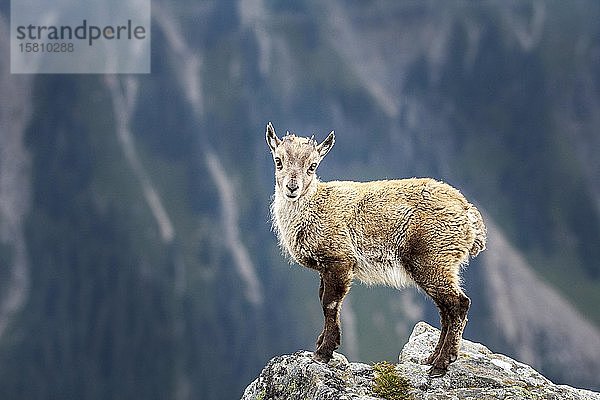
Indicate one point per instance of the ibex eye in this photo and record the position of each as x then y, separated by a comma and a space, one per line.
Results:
278, 163
312, 168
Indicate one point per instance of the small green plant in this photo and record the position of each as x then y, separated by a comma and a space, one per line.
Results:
389, 384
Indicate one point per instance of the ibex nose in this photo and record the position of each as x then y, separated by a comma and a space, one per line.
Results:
292, 186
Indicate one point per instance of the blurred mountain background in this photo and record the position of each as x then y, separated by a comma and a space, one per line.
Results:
136, 256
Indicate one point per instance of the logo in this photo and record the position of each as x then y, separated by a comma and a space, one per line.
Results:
81, 32
80, 36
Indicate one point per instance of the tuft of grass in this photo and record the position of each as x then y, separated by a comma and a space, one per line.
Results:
389, 384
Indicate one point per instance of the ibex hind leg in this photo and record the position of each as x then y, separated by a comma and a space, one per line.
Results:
444, 322
453, 306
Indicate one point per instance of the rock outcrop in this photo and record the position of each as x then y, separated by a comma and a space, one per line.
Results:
477, 374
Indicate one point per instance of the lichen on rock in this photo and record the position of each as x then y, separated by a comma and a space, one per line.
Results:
389, 384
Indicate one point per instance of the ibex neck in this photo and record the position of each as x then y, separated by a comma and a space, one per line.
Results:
283, 207
289, 216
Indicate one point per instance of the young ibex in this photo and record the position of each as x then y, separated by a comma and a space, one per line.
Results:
393, 232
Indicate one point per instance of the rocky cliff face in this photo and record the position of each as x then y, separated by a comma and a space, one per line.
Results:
477, 374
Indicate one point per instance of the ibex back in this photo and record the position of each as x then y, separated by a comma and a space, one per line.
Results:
393, 232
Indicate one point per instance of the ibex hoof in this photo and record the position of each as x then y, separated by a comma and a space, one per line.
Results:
437, 372
324, 358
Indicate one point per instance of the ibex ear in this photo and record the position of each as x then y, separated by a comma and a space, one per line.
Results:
272, 139
326, 145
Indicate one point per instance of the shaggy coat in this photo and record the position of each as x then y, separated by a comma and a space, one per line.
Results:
394, 232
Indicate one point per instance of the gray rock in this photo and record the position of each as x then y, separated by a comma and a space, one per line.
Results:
477, 374
299, 376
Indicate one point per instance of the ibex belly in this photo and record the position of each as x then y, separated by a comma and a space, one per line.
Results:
381, 269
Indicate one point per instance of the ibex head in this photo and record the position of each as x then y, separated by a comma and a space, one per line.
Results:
296, 161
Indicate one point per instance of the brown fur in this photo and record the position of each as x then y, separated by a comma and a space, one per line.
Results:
393, 232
